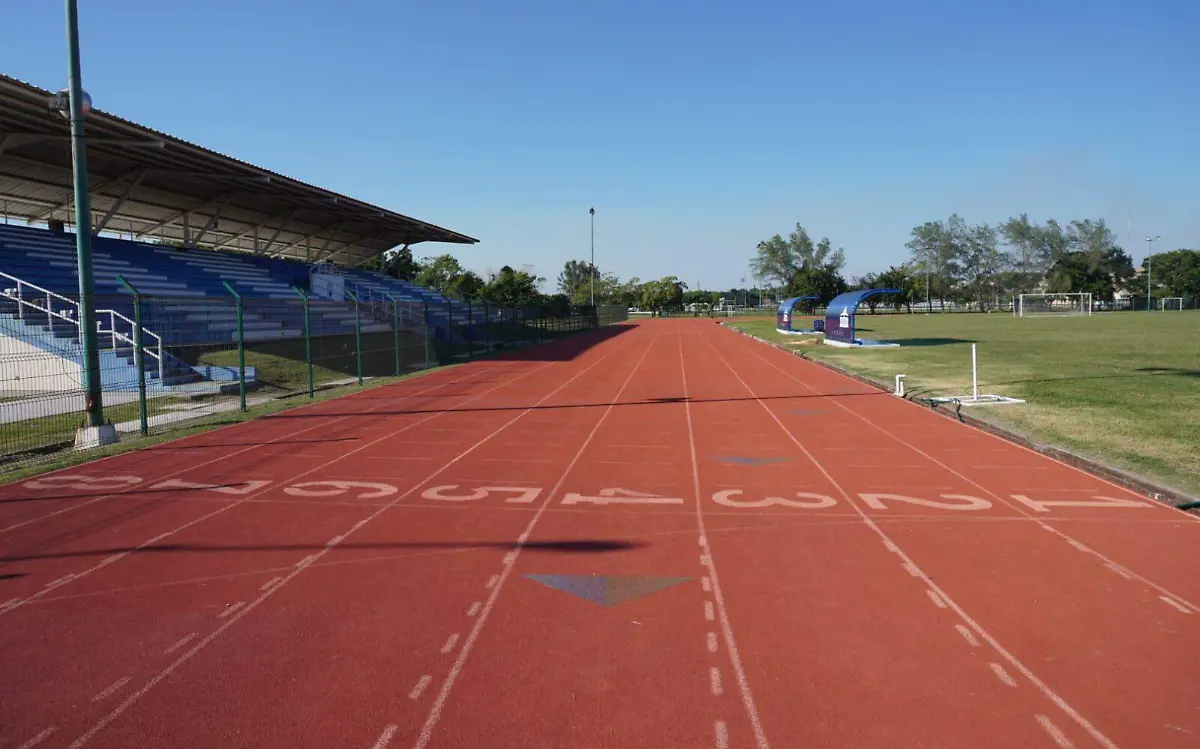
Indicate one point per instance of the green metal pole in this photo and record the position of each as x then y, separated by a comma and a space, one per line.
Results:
396, 332
241, 342
83, 227
139, 355
357, 337
307, 341
487, 327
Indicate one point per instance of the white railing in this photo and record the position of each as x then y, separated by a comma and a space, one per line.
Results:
30, 295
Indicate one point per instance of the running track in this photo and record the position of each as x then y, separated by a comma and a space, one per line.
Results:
792, 560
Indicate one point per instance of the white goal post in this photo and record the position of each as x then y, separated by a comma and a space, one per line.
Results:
1171, 303
1042, 305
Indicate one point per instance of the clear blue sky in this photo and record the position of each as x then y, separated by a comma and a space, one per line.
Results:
696, 129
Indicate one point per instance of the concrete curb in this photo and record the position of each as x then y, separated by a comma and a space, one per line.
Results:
1163, 494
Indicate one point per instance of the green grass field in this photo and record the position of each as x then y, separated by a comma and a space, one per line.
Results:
1123, 388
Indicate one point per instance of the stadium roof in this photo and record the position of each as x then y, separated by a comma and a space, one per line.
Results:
152, 185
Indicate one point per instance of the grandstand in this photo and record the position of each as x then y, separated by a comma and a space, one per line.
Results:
178, 222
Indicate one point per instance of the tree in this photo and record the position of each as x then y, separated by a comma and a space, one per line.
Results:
400, 264
662, 295
438, 273
1022, 236
466, 285
1175, 273
575, 280
780, 260
1097, 273
979, 259
904, 278
512, 288
934, 249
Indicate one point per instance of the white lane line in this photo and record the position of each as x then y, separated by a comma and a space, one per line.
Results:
1002, 675
1078, 546
475, 607
721, 734
1120, 570
37, 739
435, 712
708, 611
1175, 604
230, 609
522, 538
703, 541
706, 583
182, 641
1025, 671
911, 569
735, 658
62, 580
166, 672
967, 635
937, 600
714, 680
453, 639
509, 558
111, 689
306, 561
9, 602
712, 642
420, 687
1056, 734
270, 582
385, 738
891, 547
491, 583
705, 560
335, 540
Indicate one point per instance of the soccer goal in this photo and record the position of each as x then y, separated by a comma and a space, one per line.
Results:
1171, 303
1040, 305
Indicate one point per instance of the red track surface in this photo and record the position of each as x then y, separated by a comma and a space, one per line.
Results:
849, 570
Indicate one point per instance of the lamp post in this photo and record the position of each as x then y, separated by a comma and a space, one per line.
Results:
78, 104
1149, 257
592, 264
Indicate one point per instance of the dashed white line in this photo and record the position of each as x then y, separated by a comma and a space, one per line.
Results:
721, 734
1056, 734
708, 610
712, 642
450, 643
420, 687
1174, 604
912, 569
1002, 675
182, 641
230, 609
111, 689
37, 739
1120, 570
270, 582
491, 583
937, 600
475, 607
967, 635
714, 681
385, 738
706, 583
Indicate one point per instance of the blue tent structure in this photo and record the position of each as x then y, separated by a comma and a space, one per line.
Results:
785, 317
839, 318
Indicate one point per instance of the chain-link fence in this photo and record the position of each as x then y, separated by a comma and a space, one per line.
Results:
172, 362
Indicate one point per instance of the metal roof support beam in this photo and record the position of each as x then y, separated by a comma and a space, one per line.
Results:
285, 217
95, 189
120, 201
262, 250
180, 214
335, 229
212, 221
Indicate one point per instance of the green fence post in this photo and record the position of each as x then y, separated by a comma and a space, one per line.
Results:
139, 355
396, 331
241, 342
425, 319
357, 336
307, 341
450, 325
487, 327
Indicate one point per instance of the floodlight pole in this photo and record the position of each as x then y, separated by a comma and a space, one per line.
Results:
83, 228
592, 264
1149, 259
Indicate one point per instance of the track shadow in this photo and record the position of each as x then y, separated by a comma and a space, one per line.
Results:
571, 546
122, 493
12, 576
663, 401
1170, 371
172, 446
566, 348
1142, 372
915, 342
